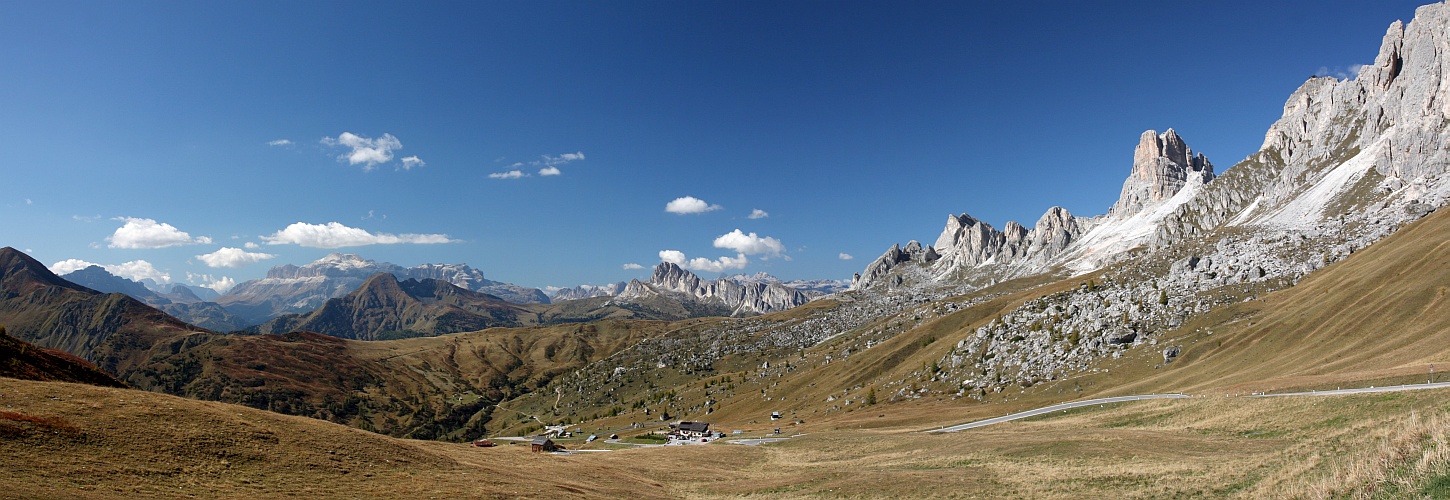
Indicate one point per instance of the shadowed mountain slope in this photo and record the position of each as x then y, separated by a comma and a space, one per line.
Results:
383, 308
114, 331
25, 361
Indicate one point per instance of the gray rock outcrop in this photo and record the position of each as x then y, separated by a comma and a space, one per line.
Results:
1162, 165
587, 291
742, 299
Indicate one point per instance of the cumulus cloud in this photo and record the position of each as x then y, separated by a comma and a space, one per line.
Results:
512, 174
232, 257
689, 205
547, 171
147, 233
413, 161
139, 270
364, 151
845, 256
722, 264
251, 246
70, 265
749, 244
632, 266
219, 284
336, 235
758, 214
279, 142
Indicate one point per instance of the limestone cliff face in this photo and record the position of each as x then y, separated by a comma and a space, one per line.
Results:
1162, 165
894, 257
1376, 146
741, 298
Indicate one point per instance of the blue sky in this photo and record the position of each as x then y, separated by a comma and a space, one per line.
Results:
851, 125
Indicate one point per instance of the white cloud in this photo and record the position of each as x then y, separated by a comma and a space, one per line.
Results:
563, 158
547, 171
70, 265
413, 161
672, 256
758, 214
632, 266
232, 257
28, 202
336, 235
279, 142
702, 264
251, 245
845, 256
86, 218
689, 205
139, 270
749, 244
1340, 72
147, 233
221, 285
364, 151
512, 174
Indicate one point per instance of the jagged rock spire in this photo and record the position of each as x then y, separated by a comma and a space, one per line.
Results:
1162, 165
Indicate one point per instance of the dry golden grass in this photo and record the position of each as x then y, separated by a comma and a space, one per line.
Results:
78, 441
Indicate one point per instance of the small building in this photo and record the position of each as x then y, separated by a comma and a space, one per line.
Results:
543, 444
692, 429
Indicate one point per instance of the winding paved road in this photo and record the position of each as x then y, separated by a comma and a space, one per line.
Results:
1121, 399
1057, 407
1391, 388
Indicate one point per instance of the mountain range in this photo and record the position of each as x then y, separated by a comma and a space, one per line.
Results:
383, 307
301, 289
1317, 262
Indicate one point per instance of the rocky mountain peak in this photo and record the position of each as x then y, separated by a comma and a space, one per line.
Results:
674, 281
1162, 165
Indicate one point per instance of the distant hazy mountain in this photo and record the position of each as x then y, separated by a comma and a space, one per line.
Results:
737, 299
179, 292
182, 302
301, 289
587, 291
98, 279
384, 308
812, 288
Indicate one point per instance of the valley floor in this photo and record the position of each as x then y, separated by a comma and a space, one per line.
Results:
69, 440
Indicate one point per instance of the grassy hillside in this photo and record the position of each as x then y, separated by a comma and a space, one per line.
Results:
79, 441
1379, 316
441, 387
20, 359
1375, 318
